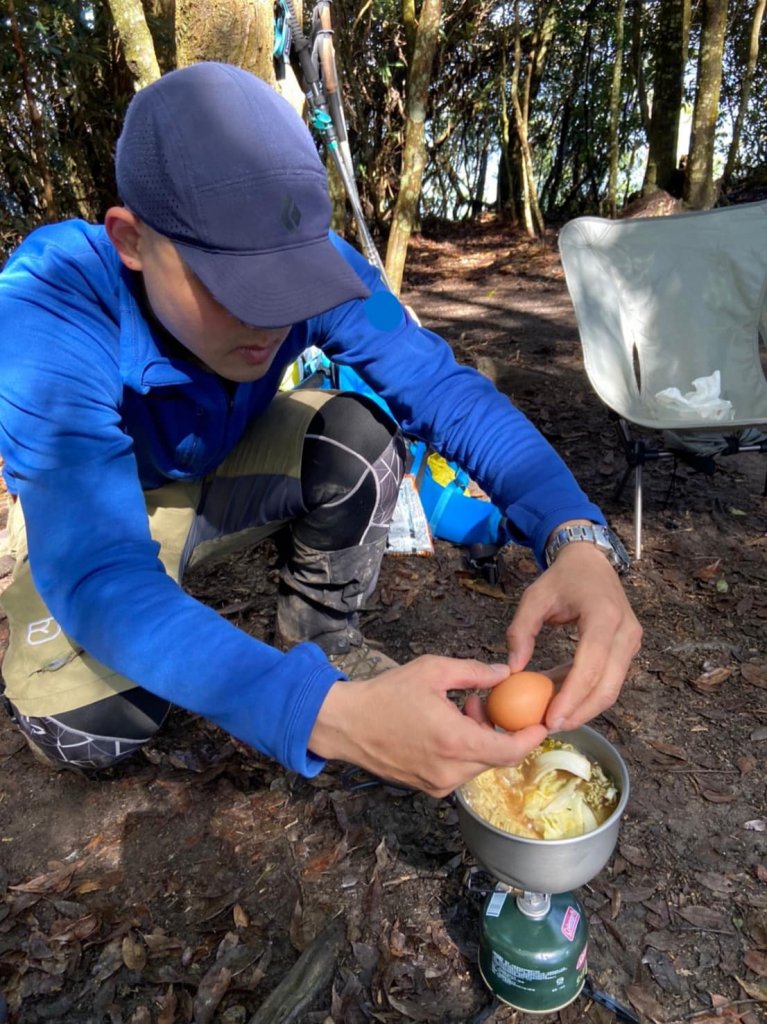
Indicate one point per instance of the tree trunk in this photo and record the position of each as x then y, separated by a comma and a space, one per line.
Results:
554, 179
136, 41
531, 212
237, 32
414, 153
478, 201
637, 63
699, 182
507, 200
668, 90
615, 105
161, 19
35, 120
745, 91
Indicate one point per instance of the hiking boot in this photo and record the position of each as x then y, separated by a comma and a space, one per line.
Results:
349, 651
361, 659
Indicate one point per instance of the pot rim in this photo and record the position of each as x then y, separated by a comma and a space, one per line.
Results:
623, 783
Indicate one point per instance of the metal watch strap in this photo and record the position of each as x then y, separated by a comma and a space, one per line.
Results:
601, 536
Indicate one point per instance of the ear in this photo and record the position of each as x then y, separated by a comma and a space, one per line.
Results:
124, 230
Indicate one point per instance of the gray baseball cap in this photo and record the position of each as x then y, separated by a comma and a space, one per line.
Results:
211, 157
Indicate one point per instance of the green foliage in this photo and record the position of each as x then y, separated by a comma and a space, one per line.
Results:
66, 52
62, 60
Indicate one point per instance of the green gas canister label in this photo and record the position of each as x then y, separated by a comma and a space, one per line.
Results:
528, 979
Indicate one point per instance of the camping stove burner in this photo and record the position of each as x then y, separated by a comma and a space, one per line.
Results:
526, 958
533, 948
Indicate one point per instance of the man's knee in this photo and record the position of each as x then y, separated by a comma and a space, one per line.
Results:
358, 420
98, 735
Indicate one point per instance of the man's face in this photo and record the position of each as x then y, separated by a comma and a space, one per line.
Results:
187, 310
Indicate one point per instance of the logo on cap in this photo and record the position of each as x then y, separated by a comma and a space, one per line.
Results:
290, 214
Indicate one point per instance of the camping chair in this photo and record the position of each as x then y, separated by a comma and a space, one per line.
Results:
660, 303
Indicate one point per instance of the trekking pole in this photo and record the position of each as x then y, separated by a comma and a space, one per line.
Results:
323, 124
324, 57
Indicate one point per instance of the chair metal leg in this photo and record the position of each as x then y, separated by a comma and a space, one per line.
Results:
622, 482
638, 512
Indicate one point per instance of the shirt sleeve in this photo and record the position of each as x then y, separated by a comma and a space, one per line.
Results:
93, 559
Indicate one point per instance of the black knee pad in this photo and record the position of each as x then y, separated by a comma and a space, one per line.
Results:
353, 461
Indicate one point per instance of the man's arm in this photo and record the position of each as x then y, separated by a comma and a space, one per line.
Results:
462, 415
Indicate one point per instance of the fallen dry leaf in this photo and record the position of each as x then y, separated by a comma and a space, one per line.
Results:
68, 931
168, 1007
241, 919
110, 960
708, 571
158, 943
644, 1002
635, 856
715, 882
725, 1009
669, 749
638, 895
210, 992
662, 969
53, 881
746, 763
133, 953
325, 859
716, 796
704, 917
104, 883
397, 940
713, 678
756, 962
754, 674
488, 590
757, 990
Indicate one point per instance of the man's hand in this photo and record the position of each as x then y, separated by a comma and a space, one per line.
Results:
581, 588
402, 725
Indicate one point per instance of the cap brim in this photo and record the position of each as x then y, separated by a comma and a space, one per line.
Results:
276, 289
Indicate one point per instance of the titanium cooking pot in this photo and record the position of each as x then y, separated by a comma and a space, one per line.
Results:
550, 865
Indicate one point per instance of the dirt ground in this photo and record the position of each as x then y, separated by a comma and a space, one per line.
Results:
184, 885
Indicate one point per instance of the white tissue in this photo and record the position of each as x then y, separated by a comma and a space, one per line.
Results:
702, 403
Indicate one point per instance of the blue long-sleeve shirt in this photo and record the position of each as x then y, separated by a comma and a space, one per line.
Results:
94, 411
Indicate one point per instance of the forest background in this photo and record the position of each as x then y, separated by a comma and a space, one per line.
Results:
569, 107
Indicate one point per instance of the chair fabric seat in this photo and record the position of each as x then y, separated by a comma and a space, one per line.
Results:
661, 302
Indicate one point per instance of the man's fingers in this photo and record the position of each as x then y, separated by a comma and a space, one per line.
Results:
592, 684
474, 708
461, 673
527, 623
496, 748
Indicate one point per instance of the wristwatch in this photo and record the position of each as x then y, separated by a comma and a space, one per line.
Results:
602, 536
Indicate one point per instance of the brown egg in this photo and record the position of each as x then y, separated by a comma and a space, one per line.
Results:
520, 700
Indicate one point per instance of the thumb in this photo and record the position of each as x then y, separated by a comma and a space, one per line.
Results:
500, 748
